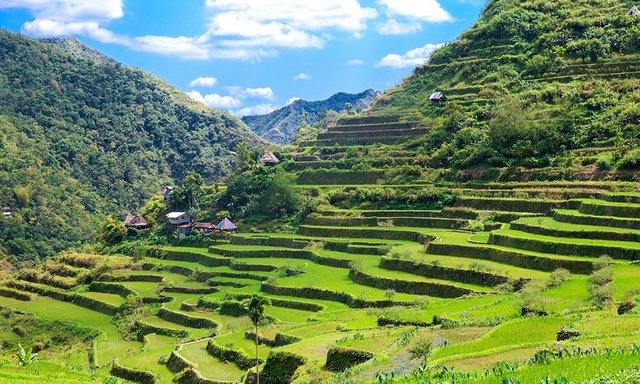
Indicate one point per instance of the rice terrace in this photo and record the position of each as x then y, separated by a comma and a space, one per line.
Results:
478, 222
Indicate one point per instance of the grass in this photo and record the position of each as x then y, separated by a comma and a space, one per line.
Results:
489, 327
209, 366
511, 335
110, 344
108, 298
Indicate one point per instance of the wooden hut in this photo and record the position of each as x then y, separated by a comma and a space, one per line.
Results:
269, 159
206, 228
137, 222
226, 226
167, 192
437, 97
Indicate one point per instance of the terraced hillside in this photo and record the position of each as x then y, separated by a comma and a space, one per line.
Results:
529, 84
355, 289
424, 247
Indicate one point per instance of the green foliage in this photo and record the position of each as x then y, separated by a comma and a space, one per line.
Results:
25, 357
94, 139
600, 281
113, 231
421, 349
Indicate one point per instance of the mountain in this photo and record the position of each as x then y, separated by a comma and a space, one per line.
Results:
527, 84
83, 137
281, 125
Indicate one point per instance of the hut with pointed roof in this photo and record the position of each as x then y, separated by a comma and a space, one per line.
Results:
269, 159
137, 221
437, 97
226, 226
633, 11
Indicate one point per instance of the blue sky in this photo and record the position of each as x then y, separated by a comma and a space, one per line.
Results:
252, 56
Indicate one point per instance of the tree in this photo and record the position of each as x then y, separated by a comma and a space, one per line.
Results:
256, 307
421, 350
112, 232
279, 197
191, 189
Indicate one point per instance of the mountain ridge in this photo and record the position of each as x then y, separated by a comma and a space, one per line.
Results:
281, 125
84, 137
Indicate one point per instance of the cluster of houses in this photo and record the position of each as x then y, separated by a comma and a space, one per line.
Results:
181, 221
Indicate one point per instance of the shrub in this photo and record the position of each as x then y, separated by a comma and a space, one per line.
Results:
342, 358
600, 281
631, 160
558, 277
280, 367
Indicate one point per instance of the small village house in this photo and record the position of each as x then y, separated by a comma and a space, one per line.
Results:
269, 159
206, 228
178, 218
226, 226
437, 97
167, 192
6, 211
184, 231
633, 11
137, 222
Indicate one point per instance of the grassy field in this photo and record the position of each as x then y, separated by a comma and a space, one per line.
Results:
321, 303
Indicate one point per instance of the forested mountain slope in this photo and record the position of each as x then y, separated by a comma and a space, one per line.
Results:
81, 138
528, 82
280, 126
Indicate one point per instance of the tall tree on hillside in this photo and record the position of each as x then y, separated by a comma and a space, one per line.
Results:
256, 307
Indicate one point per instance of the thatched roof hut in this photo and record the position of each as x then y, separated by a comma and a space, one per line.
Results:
226, 225
437, 97
269, 159
137, 221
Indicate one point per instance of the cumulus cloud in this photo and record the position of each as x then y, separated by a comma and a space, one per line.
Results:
243, 93
393, 27
69, 10
214, 100
292, 100
302, 76
412, 58
355, 62
203, 82
260, 109
425, 10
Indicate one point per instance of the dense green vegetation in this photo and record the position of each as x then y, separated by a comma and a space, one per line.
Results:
480, 240
529, 82
82, 137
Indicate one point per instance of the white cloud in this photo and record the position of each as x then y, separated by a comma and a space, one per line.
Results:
284, 23
355, 62
412, 58
214, 100
69, 10
183, 47
204, 82
292, 100
46, 27
302, 76
393, 27
424, 10
260, 109
243, 93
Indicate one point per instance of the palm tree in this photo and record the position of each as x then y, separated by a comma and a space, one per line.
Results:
256, 306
